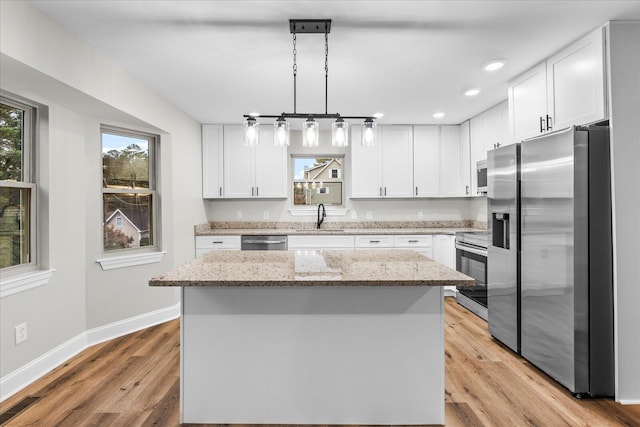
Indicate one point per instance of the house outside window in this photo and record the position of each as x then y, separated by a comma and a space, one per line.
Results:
129, 198
17, 185
317, 180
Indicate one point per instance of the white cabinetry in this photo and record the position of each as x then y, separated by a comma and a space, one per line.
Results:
488, 130
422, 244
259, 171
439, 162
212, 163
374, 242
206, 244
385, 170
444, 252
320, 242
567, 89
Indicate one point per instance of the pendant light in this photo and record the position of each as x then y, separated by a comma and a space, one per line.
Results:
310, 133
369, 133
251, 132
310, 127
340, 133
281, 132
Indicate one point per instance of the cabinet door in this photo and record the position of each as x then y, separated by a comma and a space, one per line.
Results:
366, 167
270, 167
212, 164
476, 143
397, 161
528, 103
238, 164
426, 161
450, 161
491, 130
444, 250
575, 88
465, 157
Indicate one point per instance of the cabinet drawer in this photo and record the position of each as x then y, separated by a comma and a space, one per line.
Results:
218, 242
413, 241
374, 241
320, 242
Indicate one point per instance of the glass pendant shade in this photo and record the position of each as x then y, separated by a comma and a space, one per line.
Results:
310, 133
369, 133
281, 133
251, 132
340, 133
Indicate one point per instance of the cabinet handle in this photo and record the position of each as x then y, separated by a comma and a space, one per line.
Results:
220, 191
380, 191
217, 242
257, 191
466, 189
416, 191
541, 124
374, 241
497, 145
385, 191
413, 241
549, 122
251, 191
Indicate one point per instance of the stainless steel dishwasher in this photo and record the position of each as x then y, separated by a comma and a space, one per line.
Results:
263, 243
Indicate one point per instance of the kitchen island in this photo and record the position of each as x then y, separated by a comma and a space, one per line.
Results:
312, 337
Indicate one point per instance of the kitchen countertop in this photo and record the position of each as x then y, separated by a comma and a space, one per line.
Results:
337, 228
312, 268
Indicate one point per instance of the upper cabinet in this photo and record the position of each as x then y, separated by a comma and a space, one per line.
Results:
440, 161
487, 131
259, 171
212, 176
567, 89
385, 170
234, 170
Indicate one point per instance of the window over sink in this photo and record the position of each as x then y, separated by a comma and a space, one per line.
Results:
318, 180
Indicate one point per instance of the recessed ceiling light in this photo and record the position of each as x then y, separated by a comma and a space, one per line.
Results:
378, 115
438, 115
494, 64
472, 92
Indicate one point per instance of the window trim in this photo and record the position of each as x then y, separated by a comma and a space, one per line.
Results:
28, 180
138, 253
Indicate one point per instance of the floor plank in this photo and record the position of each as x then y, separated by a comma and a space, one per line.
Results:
134, 381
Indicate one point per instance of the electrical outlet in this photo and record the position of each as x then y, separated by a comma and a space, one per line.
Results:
21, 333
265, 215
369, 215
354, 215
239, 214
420, 215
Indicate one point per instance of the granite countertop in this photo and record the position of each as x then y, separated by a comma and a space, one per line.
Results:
312, 268
337, 228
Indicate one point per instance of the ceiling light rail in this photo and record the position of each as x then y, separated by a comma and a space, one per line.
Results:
310, 128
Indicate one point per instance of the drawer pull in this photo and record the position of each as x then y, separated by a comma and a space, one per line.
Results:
413, 241
218, 242
374, 241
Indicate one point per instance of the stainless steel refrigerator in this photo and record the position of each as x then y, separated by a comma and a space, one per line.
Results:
550, 280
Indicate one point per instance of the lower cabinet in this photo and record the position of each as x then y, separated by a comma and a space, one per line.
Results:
384, 241
320, 242
422, 244
206, 244
444, 252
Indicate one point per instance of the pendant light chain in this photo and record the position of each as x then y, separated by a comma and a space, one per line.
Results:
326, 69
295, 72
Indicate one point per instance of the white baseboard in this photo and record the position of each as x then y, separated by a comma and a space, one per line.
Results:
629, 401
15, 381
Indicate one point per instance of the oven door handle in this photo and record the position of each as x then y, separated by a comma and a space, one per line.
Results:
471, 249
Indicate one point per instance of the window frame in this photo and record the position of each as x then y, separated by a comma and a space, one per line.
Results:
153, 141
28, 180
299, 209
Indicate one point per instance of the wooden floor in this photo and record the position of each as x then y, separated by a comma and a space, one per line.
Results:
134, 381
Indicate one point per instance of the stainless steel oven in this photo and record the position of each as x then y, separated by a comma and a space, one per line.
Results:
471, 259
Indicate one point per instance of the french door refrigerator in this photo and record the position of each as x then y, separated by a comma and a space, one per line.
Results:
559, 295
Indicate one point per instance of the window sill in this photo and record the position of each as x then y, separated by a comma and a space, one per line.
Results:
23, 282
113, 263
314, 212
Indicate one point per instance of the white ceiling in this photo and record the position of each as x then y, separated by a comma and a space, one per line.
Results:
218, 60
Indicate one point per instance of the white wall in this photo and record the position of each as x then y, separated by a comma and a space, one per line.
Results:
624, 101
82, 90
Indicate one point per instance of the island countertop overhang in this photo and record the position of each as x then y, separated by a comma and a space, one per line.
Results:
312, 268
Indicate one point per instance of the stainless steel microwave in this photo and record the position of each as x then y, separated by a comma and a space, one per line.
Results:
481, 176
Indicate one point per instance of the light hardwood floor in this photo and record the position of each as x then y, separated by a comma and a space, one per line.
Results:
134, 381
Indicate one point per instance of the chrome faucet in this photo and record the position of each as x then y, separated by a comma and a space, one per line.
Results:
320, 218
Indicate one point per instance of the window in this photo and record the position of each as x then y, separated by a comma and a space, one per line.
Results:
128, 189
17, 185
317, 180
